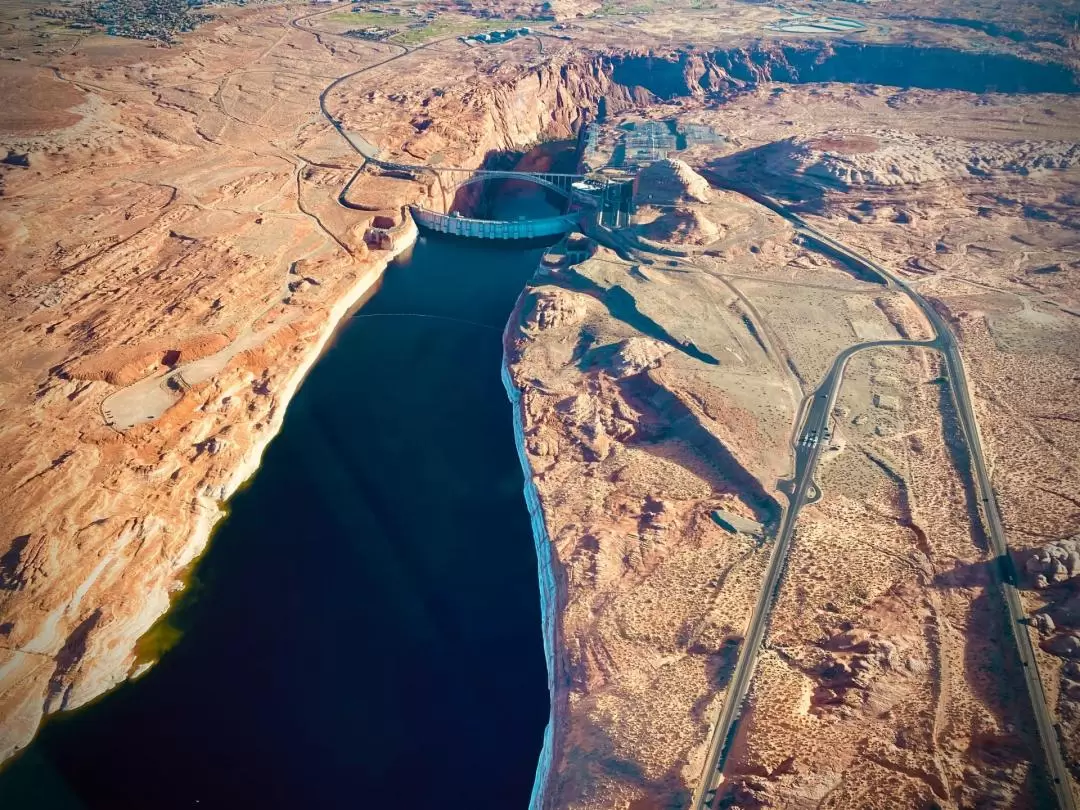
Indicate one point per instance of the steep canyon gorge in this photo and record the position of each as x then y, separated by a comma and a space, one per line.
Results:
611, 381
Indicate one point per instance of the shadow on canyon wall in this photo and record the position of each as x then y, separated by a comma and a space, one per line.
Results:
588, 767
907, 66
621, 305
676, 430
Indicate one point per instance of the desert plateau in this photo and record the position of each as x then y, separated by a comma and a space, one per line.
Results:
574, 404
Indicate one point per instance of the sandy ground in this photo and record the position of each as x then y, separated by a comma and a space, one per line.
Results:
174, 253
173, 265
888, 606
884, 683
997, 254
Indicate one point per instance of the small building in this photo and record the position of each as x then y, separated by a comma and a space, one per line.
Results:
373, 33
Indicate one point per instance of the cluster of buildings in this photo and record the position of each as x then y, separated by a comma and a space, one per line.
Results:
157, 20
372, 32
648, 142
400, 11
494, 37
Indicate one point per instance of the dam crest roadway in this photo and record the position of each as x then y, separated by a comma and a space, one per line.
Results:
452, 179
494, 228
587, 192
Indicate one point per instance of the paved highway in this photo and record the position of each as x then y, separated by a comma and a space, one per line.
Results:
800, 490
363, 147
807, 451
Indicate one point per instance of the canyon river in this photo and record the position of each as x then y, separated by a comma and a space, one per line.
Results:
364, 630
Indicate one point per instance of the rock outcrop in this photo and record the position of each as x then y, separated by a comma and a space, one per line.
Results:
636, 354
682, 226
886, 158
1054, 563
548, 309
672, 181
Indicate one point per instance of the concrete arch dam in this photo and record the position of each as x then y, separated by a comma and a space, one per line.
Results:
494, 228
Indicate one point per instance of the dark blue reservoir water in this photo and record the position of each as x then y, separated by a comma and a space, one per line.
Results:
364, 631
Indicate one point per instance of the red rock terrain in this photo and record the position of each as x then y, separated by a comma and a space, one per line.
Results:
174, 254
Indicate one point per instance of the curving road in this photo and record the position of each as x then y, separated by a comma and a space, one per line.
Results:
358, 143
802, 490
1005, 570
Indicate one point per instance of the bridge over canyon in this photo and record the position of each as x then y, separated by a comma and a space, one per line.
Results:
590, 193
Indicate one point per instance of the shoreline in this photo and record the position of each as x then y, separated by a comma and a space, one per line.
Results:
545, 562
211, 510
249, 466
252, 460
